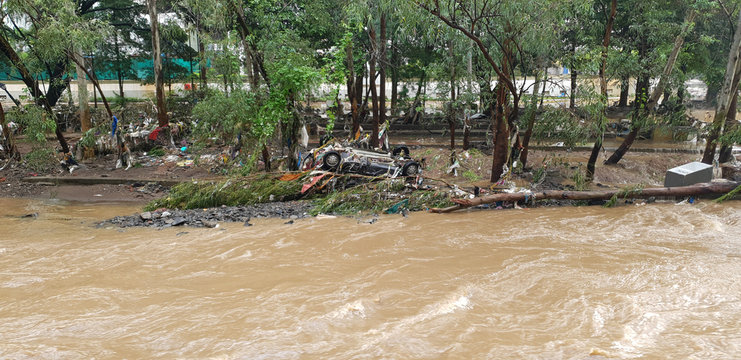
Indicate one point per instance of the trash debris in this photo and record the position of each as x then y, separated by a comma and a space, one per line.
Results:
454, 168
397, 207
312, 182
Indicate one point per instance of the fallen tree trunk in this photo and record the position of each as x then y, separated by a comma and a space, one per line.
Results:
692, 190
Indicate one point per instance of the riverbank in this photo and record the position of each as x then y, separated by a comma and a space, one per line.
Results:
149, 182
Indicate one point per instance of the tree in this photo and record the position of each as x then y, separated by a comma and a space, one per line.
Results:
645, 105
53, 31
162, 119
727, 95
499, 29
603, 91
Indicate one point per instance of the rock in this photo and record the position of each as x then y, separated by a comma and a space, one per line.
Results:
169, 221
210, 224
166, 214
247, 223
31, 215
294, 217
146, 215
289, 222
178, 221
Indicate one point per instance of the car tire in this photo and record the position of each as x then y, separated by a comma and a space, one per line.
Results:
411, 168
401, 150
331, 161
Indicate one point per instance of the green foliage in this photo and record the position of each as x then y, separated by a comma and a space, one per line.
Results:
36, 126
561, 124
579, 179
40, 159
376, 198
624, 193
471, 175
732, 194
35, 122
88, 139
158, 151
227, 116
232, 192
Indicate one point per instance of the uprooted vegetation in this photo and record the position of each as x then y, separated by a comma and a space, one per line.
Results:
250, 190
337, 194
379, 197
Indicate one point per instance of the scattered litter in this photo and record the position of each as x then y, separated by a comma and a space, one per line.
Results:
454, 168
396, 208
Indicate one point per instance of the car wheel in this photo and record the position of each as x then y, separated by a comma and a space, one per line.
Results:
308, 162
410, 169
402, 151
331, 161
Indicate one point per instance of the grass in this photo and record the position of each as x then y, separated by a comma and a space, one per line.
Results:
471, 176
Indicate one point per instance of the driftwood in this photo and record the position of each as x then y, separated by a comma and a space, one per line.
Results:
692, 190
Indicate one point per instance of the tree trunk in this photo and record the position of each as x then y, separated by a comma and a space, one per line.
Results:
394, 80
84, 109
572, 96
649, 108
156, 53
12, 151
452, 108
640, 100
266, 157
203, 64
466, 132
726, 150
372, 84
624, 90
382, 71
95, 82
486, 95
530, 121
730, 84
119, 70
665, 97
352, 95
501, 137
603, 92
679, 191
542, 92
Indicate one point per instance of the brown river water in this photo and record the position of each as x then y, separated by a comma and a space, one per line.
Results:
660, 281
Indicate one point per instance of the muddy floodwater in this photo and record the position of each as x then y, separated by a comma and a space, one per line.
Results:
660, 281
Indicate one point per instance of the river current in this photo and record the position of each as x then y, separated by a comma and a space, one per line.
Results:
661, 281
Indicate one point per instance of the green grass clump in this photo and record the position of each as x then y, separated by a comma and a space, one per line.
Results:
232, 192
471, 176
158, 151
375, 198
733, 193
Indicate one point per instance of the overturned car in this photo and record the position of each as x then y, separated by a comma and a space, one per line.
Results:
345, 159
